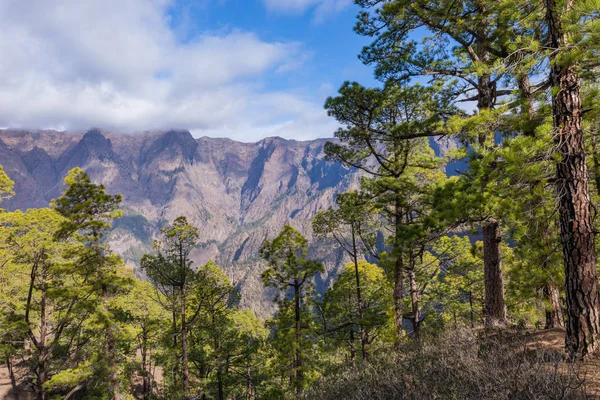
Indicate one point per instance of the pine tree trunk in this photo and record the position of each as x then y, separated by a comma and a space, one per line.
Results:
298, 354
174, 366
111, 349
352, 348
42, 376
145, 369
554, 315
414, 300
218, 361
494, 288
398, 275
495, 308
471, 313
221, 392
13, 379
184, 348
249, 390
527, 105
486, 100
575, 207
363, 333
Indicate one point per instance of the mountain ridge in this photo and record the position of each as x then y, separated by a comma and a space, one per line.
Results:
236, 193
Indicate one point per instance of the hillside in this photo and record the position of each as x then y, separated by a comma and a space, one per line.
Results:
236, 193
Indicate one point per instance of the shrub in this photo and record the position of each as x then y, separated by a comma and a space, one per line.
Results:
460, 365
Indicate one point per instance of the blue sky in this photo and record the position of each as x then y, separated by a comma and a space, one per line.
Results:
243, 69
326, 36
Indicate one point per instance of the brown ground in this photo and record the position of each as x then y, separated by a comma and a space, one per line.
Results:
552, 342
547, 341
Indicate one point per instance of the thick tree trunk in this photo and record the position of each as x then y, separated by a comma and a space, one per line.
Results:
575, 207
487, 96
42, 375
494, 288
495, 308
554, 314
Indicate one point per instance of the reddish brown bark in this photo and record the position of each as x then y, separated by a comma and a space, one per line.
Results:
495, 308
494, 288
554, 314
575, 207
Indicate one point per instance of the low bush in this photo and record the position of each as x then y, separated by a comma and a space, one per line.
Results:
460, 365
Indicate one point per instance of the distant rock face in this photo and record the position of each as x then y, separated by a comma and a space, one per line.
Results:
237, 194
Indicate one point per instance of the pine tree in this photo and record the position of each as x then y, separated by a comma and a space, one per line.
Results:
88, 211
144, 320
468, 43
290, 271
385, 134
353, 227
577, 230
342, 317
213, 338
170, 271
51, 295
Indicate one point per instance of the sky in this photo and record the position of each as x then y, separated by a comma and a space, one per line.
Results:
242, 69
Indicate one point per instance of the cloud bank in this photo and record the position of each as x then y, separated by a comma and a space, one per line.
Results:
119, 65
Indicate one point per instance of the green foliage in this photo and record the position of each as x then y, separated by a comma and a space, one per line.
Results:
290, 272
96, 332
6, 185
340, 314
352, 224
288, 265
87, 212
458, 291
87, 207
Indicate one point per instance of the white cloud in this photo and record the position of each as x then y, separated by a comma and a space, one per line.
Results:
119, 65
322, 8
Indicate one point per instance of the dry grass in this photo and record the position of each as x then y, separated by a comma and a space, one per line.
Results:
463, 365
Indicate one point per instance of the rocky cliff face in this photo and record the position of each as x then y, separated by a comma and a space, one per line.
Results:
237, 194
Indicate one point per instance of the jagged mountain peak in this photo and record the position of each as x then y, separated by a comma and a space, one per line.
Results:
235, 193
92, 146
94, 140
173, 143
